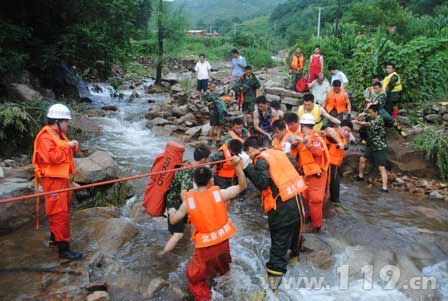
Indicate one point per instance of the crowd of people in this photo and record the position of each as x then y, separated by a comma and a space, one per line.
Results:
292, 158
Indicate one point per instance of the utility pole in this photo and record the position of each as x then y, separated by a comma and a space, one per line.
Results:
318, 24
234, 29
160, 44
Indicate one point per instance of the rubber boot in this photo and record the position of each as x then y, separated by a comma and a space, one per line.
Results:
66, 253
51, 241
274, 280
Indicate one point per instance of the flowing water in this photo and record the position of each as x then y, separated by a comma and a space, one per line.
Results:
378, 246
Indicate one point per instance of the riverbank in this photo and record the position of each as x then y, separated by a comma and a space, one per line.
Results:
121, 244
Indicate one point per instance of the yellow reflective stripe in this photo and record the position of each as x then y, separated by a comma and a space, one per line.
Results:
274, 272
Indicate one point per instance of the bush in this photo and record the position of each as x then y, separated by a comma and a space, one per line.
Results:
435, 145
259, 58
19, 123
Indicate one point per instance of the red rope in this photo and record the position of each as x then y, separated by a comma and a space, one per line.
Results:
37, 195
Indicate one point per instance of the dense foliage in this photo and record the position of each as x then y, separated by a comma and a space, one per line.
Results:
40, 33
435, 144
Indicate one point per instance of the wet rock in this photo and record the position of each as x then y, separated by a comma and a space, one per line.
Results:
403, 120
161, 131
205, 129
290, 101
435, 195
170, 127
445, 117
179, 111
283, 92
110, 108
188, 117
21, 92
272, 97
194, 132
102, 234
2, 173
399, 181
155, 286
177, 88
99, 166
433, 118
158, 121
16, 214
23, 172
98, 296
95, 113
436, 108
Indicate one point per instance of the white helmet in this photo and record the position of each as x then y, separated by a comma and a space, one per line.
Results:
59, 111
308, 119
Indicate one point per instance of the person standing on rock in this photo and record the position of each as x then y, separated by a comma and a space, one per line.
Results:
263, 120
376, 148
238, 131
53, 168
393, 88
319, 88
369, 92
275, 174
218, 110
207, 211
316, 64
246, 89
296, 68
182, 182
338, 102
202, 70
238, 65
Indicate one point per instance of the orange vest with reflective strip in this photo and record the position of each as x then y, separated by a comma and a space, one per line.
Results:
207, 211
307, 161
48, 169
336, 101
284, 176
278, 144
234, 135
227, 170
336, 154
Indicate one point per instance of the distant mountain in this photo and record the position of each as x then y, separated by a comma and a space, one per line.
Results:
208, 11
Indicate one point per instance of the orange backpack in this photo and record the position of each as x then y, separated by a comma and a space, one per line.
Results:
154, 200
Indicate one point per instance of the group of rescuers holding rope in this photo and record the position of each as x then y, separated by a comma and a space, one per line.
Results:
291, 158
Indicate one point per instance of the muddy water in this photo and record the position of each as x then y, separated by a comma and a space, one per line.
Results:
370, 249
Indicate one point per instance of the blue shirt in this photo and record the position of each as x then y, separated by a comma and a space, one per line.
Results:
237, 70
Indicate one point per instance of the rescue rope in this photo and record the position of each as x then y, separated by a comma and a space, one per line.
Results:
37, 195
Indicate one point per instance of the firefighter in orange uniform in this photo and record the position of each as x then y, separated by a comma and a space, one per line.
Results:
53, 165
275, 174
313, 158
207, 210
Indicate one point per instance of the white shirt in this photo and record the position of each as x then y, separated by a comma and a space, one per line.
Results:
202, 69
339, 76
320, 91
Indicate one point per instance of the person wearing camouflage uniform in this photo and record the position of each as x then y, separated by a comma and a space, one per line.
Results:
248, 86
376, 147
182, 182
218, 110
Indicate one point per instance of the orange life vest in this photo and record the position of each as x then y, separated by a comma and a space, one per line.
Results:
307, 161
278, 144
336, 101
208, 213
227, 170
336, 154
234, 135
284, 176
43, 168
297, 62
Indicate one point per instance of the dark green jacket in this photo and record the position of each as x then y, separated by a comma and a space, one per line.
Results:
248, 86
286, 212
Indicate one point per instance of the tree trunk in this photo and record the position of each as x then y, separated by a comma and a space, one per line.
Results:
160, 42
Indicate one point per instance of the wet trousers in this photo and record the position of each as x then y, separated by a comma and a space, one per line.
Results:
334, 183
57, 208
205, 264
314, 197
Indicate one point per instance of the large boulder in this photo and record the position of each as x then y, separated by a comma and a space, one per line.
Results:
21, 92
194, 132
99, 166
16, 214
282, 92
433, 118
65, 81
158, 121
